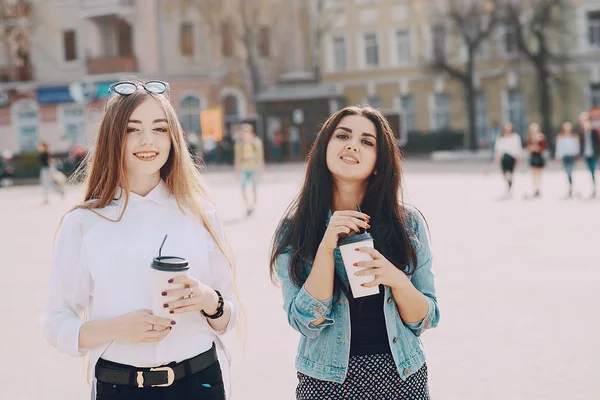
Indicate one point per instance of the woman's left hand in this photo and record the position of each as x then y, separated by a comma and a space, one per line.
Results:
195, 296
385, 272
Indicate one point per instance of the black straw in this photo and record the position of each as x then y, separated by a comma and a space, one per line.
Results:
161, 246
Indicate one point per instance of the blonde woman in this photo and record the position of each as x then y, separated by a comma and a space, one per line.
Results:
141, 185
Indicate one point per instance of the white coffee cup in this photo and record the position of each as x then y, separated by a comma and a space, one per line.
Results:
348, 246
165, 268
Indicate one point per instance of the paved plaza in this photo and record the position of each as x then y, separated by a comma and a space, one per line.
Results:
518, 284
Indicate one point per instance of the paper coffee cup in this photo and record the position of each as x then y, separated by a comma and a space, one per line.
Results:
350, 256
165, 268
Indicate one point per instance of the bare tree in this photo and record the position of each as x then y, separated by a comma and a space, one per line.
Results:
472, 21
15, 34
538, 27
237, 24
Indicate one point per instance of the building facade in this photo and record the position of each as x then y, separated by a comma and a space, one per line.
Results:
80, 47
379, 52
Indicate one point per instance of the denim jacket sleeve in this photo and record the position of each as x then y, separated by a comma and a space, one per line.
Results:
423, 278
301, 308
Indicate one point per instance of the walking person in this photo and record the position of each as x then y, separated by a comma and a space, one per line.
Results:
537, 145
47, 173
508, 150
142, 185
567, 151
364, 347
249, 162
589, 140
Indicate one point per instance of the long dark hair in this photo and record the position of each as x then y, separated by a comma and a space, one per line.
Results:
302, 228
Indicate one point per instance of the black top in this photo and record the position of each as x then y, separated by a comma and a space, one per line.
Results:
44, 159
368, 332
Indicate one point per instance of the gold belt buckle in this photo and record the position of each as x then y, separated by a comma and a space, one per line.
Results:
168, 370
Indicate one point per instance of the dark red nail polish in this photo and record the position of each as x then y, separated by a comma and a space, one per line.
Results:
171, 312
165, 305
164, 293
173, 322
170, 280
362, 284
356, 249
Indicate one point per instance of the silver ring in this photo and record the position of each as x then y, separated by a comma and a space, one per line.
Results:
191, 293
152, 327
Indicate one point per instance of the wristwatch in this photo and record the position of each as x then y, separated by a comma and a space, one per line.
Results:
219, 311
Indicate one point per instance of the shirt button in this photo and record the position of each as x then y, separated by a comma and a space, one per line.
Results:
406, 371
395, 340
390, 300
319, 309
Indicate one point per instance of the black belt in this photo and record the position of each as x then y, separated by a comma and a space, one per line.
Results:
155, 377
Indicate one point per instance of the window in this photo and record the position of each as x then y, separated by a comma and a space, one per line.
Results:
407, 105
264, 42
373, 101
403, 46
125, 32
73, 118
69, 45
516, 110
438, 42
227, 39
371, 50
593, 20
189, 111
26, 115
595, 95
339, 53
481, 116
186, 39
442, 115
509, 41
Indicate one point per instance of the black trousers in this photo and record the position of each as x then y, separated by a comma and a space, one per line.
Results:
204, 385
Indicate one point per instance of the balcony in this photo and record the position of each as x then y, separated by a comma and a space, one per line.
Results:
111, 65
105, 8
15, 74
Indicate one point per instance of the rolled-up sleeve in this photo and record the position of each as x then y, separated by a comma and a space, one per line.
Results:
302, 308
423, 278
69, 291
222, 274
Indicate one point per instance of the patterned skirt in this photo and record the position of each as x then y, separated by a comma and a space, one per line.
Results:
370, 377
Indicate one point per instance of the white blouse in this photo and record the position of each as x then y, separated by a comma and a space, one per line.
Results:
510, 145
102, 268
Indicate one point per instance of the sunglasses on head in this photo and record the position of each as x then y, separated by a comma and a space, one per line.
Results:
125, 88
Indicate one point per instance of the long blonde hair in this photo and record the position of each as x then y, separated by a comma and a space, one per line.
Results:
104, 168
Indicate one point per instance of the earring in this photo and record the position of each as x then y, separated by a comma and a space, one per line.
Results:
375, 172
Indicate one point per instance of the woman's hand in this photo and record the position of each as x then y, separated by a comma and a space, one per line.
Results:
142, 327
193, 297
385, 272
341, 224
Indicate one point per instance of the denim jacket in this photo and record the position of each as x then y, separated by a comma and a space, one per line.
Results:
324, 350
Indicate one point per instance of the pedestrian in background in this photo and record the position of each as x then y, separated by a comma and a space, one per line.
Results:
364, 347
567, 151
509, 149
142, 184
249, 162
589, 141
537, 145
50, 177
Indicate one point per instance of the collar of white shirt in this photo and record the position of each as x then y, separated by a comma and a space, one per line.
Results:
159, 194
